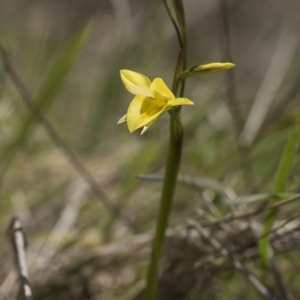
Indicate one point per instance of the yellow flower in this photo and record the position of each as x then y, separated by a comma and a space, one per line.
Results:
151, 100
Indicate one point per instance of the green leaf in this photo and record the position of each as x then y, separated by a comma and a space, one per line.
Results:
179, 67
61, 68
180, 15
286, 160
280, 184
197, 183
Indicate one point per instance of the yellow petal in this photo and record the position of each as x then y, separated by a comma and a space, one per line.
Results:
142, 111
161, 90
122, 120
136, 83
180, 101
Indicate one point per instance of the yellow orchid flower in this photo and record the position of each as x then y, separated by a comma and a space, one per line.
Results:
151, 100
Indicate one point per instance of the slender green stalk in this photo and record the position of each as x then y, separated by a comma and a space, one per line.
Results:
172, 166
173, 161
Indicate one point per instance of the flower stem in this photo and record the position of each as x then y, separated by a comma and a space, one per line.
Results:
173, 159
172, 166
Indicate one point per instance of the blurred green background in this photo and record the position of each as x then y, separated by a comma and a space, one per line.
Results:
68, 54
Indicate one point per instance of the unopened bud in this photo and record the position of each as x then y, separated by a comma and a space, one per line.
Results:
207, 69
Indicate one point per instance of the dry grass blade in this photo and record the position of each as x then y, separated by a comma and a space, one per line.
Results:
76, 199
226, 45
235, 262
19, 244
280, 62
282, 287
232, 217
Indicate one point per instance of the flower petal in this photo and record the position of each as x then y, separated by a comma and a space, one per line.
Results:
180, 101
136, 83
122, 120
160, 89
145, 128
142, 111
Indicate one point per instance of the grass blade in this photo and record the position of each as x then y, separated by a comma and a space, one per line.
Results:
50, 88
280, 184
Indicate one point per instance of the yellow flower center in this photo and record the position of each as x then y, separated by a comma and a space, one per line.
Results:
154, 107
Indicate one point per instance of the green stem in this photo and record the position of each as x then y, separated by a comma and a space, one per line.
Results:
172, 167
173, 161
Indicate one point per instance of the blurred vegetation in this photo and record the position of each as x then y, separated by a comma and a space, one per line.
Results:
235, 136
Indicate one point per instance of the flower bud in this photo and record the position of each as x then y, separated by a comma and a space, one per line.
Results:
207, 69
